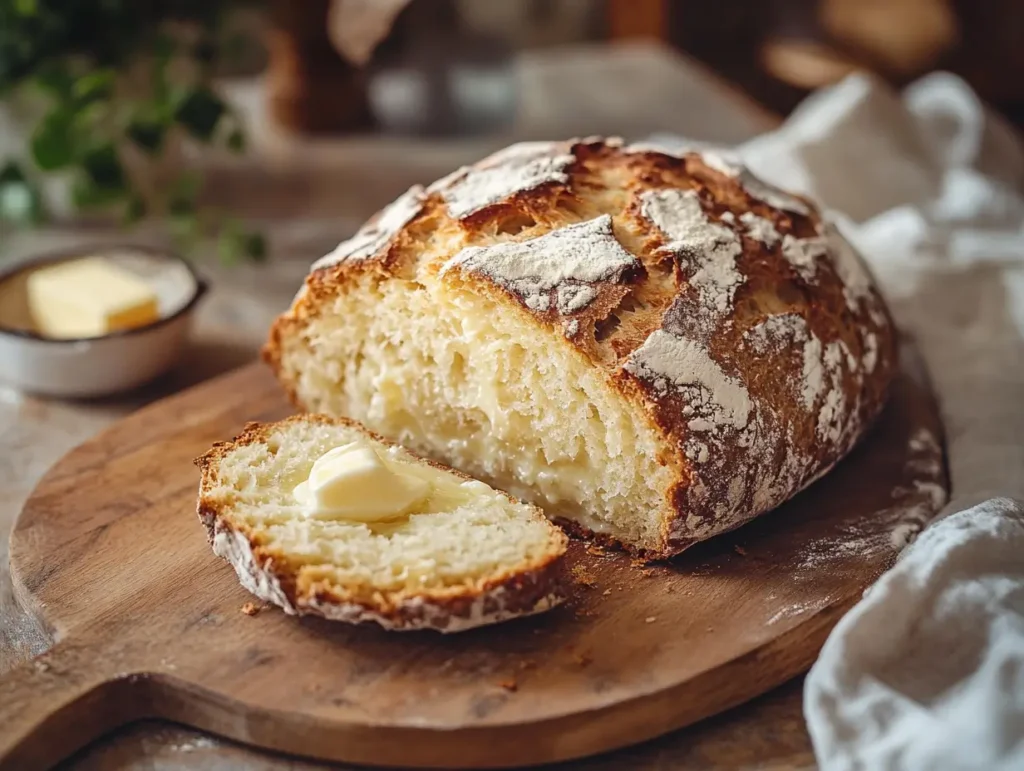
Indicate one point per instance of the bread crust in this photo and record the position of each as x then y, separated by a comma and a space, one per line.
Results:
792, 344
521, 590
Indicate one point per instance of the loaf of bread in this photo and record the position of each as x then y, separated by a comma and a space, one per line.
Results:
653, 347
468, 556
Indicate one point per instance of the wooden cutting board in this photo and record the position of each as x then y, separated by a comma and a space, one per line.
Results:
148, 623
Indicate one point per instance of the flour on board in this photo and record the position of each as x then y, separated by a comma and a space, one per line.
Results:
377, 234
891, 528
516, 169
569, 262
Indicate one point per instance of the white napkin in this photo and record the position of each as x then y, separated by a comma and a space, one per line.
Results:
926, 673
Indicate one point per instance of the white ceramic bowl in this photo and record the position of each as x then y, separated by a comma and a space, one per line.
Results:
97, 366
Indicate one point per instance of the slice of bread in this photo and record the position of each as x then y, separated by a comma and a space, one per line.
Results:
470, 555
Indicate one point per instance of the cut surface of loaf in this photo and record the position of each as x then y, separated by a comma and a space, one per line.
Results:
467, 556
653, 347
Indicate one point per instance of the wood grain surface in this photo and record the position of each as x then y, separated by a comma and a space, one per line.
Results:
149, 624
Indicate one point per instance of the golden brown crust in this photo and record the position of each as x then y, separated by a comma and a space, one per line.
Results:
783, 323
519, 590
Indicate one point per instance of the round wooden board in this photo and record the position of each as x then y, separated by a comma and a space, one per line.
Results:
149, 622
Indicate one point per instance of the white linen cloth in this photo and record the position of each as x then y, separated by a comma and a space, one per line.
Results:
926, 673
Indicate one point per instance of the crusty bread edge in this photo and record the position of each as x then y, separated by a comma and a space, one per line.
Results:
523, 591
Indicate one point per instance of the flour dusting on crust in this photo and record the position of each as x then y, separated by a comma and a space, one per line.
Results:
416, 613
832, 418
731, 165
377, 233
570, 298
711, 248
870, 352
677, 148
723, 161
563, 268
765, 193
776, 333
673, 363
759, 228
411, 614
516, 169
803, 254
849, 266
258, 579
822, 367
813, 373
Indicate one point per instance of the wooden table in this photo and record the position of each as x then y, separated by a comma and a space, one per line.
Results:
308, 196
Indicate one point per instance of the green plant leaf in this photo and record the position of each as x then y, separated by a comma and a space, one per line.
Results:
179, 206
235, 243
181, 200
11, 172
236, 140
163, 49
94, 86
86, 194
230, 246
199, 112
55, 79
255, 246
163, 46
26, 7
52, 141
103, 168
185, 231
147, 133
135, 209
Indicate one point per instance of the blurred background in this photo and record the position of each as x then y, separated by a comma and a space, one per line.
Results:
251, 136
133, 111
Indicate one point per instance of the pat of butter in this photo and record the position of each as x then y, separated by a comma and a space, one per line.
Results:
354, 483
88, 298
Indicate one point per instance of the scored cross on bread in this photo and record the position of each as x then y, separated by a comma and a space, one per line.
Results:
467, 555
654, 347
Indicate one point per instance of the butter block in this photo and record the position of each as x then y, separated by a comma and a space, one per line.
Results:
87, 298
353, 482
